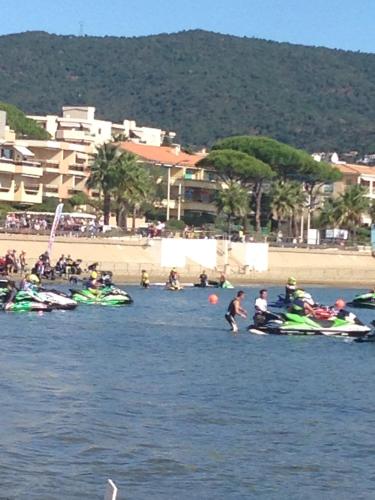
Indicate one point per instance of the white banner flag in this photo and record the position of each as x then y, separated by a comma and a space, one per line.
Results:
56, 221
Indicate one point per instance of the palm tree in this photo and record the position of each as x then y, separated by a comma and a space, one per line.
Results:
134, 188
103, 174
233, 201
329, 213
351, 206
347, 209
287, 202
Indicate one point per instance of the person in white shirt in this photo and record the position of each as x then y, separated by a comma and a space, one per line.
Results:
261, 309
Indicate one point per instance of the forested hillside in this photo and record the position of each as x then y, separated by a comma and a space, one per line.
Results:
202, 85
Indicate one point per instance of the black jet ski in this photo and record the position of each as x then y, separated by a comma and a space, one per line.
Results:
207, 284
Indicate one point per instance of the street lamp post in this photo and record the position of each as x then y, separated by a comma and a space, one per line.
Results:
179, 201
168, 191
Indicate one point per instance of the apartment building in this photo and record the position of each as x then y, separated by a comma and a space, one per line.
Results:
64, 166
20, 173
356, 174
78, 125
187, 187
32, 170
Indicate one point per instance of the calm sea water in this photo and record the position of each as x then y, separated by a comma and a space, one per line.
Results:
163, 399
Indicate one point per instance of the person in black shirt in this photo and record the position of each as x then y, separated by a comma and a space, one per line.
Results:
234, 309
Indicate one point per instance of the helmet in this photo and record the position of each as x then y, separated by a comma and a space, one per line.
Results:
33, 278
299, 294
292, 281
340, 304
94, 275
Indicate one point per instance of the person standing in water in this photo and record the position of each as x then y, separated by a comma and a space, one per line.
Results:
203, 279
145, 280
234, 309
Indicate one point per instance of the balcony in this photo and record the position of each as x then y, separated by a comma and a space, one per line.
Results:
196, 183
51, 166
7, 166
7, 192
51, 191
74, 136
29, 193
26, 168
199, 206
77, 169
29, 169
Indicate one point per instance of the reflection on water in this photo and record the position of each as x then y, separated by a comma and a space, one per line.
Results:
161, 398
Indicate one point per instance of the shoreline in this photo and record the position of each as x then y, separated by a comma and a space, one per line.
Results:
237, 281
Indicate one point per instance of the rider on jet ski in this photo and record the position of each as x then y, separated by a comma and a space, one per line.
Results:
30, 282
290, 288
94, 282
302, 303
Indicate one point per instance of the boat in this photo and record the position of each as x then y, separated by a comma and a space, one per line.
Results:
106, 296
294, 324
364, 300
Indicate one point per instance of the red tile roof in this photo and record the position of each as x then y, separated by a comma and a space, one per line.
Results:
347, 168
162, 155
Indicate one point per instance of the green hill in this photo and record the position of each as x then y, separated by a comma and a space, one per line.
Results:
23, 126
202, 85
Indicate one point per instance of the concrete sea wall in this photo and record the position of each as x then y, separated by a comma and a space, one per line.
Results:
127, 257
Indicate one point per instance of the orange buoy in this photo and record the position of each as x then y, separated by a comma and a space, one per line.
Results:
213, 298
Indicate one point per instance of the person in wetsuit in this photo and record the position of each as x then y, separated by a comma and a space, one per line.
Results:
10, 294
234, 309
203, 279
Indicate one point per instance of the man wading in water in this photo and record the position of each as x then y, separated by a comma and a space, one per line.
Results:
235, 308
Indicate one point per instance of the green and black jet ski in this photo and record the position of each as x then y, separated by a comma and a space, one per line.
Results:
53, 298
365, 300
22, 302
294, 324
106, 296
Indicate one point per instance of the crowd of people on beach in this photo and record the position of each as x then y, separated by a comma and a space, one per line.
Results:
38, 223
12, 262
16, 263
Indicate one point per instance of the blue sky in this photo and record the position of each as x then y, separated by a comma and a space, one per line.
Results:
345, 24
